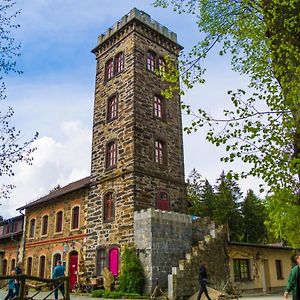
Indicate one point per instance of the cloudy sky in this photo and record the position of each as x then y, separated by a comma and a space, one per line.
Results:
54, 95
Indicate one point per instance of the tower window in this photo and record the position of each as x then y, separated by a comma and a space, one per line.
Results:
59, 221
112, 108
31, 228
162, 201
111, 155
109, 207
119, 62
160, 152
158, 107
161, 65
109, 69
45, 225
151, 61
75, 218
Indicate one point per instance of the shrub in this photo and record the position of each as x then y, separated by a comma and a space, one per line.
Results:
131, 279
115, 295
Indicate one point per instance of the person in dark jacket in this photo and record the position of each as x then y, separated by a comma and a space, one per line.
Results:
18, 271
203, 282
11, 286
59, 271
293, 284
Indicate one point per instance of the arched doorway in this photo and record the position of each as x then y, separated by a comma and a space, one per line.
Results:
73, 267
114, 261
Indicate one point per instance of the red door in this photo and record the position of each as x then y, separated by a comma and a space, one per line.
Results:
73, 265
114, 261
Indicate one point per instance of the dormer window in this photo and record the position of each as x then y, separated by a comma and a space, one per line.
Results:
151, 61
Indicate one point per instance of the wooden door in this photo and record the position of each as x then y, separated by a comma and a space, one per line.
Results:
73, 266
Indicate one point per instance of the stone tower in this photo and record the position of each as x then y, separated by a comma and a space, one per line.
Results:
137, 150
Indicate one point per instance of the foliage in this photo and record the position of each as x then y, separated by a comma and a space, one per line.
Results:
131, 279
115, 295
254, 217
12, 149
263, 126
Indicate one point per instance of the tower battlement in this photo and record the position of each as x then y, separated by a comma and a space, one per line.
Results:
142, 17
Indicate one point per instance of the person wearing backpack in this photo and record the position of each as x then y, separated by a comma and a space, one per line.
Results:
293, 284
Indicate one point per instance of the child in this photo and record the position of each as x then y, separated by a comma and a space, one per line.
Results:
11, 286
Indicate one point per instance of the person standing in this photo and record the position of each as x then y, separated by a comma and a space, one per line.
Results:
293, 284
203, 282
59, 271
11, 287
18, 271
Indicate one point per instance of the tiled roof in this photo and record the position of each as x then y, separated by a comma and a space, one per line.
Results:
71, 187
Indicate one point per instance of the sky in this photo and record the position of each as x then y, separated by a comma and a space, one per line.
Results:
54, 95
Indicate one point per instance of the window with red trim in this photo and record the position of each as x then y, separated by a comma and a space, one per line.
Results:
158, 107
75, 217
112, 108
109, 69
111, 155
59, 221
42, 266
119, 62
151, 61
162, 201
161, 65
29, 265
31, 228
160, 150
109, 207
45, 225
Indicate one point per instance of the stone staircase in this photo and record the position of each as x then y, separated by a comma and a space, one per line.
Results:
183, 281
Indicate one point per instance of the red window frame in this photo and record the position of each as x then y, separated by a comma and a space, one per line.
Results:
162, 201
119, 62
111, 154
162, 65
29, 265
151, 61
160, 149
158, 107
45, 224
59, 221
112, 108
42, 266
101, 261
109, 207
31, 228
75, 217
109, 69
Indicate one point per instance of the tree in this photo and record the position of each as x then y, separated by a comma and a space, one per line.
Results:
254, 216
263, 128
12, 149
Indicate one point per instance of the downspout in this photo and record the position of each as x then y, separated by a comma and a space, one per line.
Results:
23, 237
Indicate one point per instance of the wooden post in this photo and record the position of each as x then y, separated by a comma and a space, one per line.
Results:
67, 290
22, 288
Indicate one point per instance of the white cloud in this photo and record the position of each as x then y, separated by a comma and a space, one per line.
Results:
55, 162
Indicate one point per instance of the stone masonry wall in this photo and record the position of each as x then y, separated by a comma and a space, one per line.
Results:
162, 239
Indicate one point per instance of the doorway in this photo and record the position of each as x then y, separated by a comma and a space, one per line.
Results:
73, 267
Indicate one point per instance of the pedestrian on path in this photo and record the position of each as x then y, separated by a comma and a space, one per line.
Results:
293, 284
203, 282
59, 271
11, 287
18, 271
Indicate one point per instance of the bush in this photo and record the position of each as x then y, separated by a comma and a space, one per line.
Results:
115, 295
131, 279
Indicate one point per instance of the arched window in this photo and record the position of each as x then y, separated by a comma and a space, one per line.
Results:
162, 201
151, 61
112, 108
29, 266
111, 155
119, 62
158, 107
31, 228
161, 65
45, 225
101, 262
109, 207
113, 261
109, 69
42, 266
12, 264
4, 270
56, 258
160, 152
75, 218
59, 221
